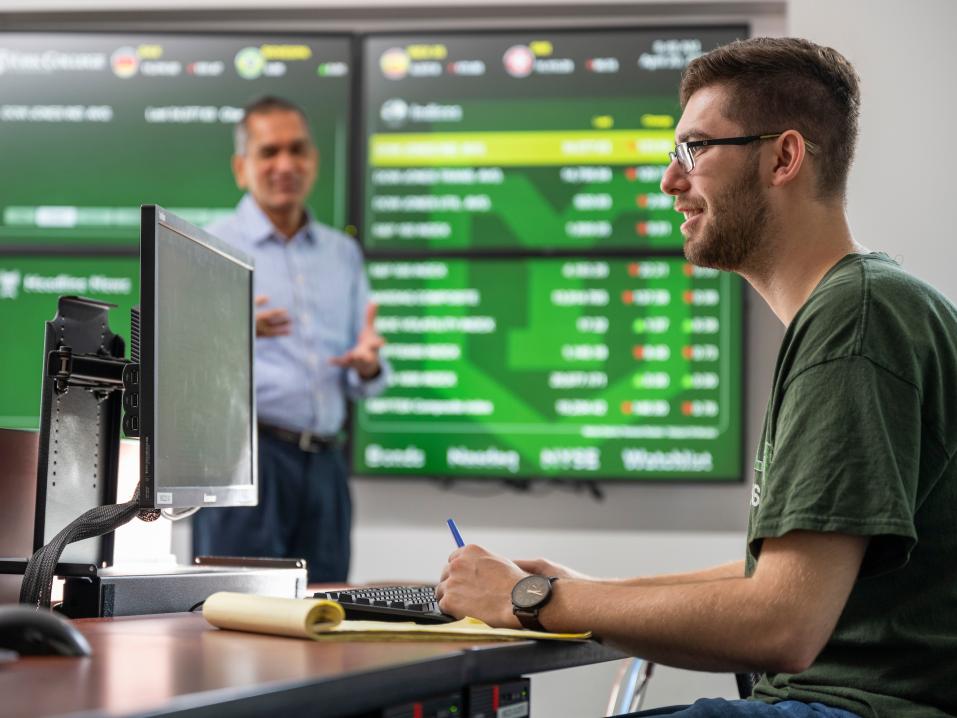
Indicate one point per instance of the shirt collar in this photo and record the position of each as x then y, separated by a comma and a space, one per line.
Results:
260, 229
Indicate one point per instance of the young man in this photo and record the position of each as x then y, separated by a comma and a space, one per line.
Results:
847, 598
316, 347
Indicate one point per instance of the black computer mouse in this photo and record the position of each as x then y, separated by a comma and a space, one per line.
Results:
32, 632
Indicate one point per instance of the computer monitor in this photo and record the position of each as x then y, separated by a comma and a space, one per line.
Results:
196, 400
541, 320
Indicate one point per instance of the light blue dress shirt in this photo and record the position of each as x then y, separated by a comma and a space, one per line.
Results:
317, 277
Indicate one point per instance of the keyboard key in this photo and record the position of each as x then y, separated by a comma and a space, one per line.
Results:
390, 603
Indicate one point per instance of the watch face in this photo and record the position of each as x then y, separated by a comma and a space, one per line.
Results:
531, 591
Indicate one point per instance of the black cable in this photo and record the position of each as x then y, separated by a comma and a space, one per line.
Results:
38, 577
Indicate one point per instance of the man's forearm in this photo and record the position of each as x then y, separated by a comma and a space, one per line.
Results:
734, 569
778, 619
710, 625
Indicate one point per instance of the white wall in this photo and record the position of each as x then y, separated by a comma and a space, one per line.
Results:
902, 189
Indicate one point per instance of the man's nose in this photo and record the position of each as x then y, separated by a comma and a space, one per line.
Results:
286, 161
675, 180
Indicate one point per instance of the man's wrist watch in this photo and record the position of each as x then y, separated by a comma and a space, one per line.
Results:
530, 596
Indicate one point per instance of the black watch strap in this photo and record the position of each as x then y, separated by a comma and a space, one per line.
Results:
529, 619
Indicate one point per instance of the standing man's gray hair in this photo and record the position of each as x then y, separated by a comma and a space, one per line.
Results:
263, 106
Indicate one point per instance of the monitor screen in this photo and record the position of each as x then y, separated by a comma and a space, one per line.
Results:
150, 117
197, 413
523, 141
587, 367
29, 289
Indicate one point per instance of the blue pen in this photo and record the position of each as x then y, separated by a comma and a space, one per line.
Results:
455, 533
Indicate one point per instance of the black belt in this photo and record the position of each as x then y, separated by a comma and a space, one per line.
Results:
305, 440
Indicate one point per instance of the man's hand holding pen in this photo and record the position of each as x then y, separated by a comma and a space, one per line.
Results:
478, 583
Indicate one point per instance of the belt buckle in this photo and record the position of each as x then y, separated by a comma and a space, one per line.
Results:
305, 442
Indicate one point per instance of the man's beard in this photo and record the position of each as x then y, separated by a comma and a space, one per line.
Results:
735, 229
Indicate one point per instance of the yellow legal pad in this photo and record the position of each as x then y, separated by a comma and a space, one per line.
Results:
324, 620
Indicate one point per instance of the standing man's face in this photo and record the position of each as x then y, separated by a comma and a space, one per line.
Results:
280, 164
726, 212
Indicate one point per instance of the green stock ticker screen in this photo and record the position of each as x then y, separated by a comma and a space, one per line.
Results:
29, 290
592, 368
523, 141
94, 125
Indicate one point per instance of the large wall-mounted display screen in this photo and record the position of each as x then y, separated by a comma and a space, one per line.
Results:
588, 367
541, 321
29, 290
523, 141
94, 125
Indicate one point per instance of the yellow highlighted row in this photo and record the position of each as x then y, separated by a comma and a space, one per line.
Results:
476, 149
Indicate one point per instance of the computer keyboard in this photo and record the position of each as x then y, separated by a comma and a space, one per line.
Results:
389, 603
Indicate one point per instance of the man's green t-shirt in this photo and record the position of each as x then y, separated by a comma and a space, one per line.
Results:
860, 438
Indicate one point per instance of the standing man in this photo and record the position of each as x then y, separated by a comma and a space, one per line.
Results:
846, 601
316, 346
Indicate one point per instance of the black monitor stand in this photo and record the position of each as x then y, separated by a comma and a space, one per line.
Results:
80, 419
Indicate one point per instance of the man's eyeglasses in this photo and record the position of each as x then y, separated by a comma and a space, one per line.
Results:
685, 151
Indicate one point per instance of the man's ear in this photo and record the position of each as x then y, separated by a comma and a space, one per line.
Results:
239, 171
790, 151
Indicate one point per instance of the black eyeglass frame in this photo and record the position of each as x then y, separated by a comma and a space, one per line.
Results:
683, 149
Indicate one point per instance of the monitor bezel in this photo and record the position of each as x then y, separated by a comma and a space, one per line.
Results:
152, 218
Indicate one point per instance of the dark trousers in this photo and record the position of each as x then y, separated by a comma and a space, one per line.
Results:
304, 511
720, 708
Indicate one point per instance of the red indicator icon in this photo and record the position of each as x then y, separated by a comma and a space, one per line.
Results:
634, 269
627, 296
626, 408
686, 408
519, 61
631, 173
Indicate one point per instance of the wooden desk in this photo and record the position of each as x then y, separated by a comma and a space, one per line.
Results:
178, 664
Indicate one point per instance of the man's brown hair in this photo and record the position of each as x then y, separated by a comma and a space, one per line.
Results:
778, 84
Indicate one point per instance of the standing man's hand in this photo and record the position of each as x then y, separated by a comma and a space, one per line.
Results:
272, 322
364, 356
477, 583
